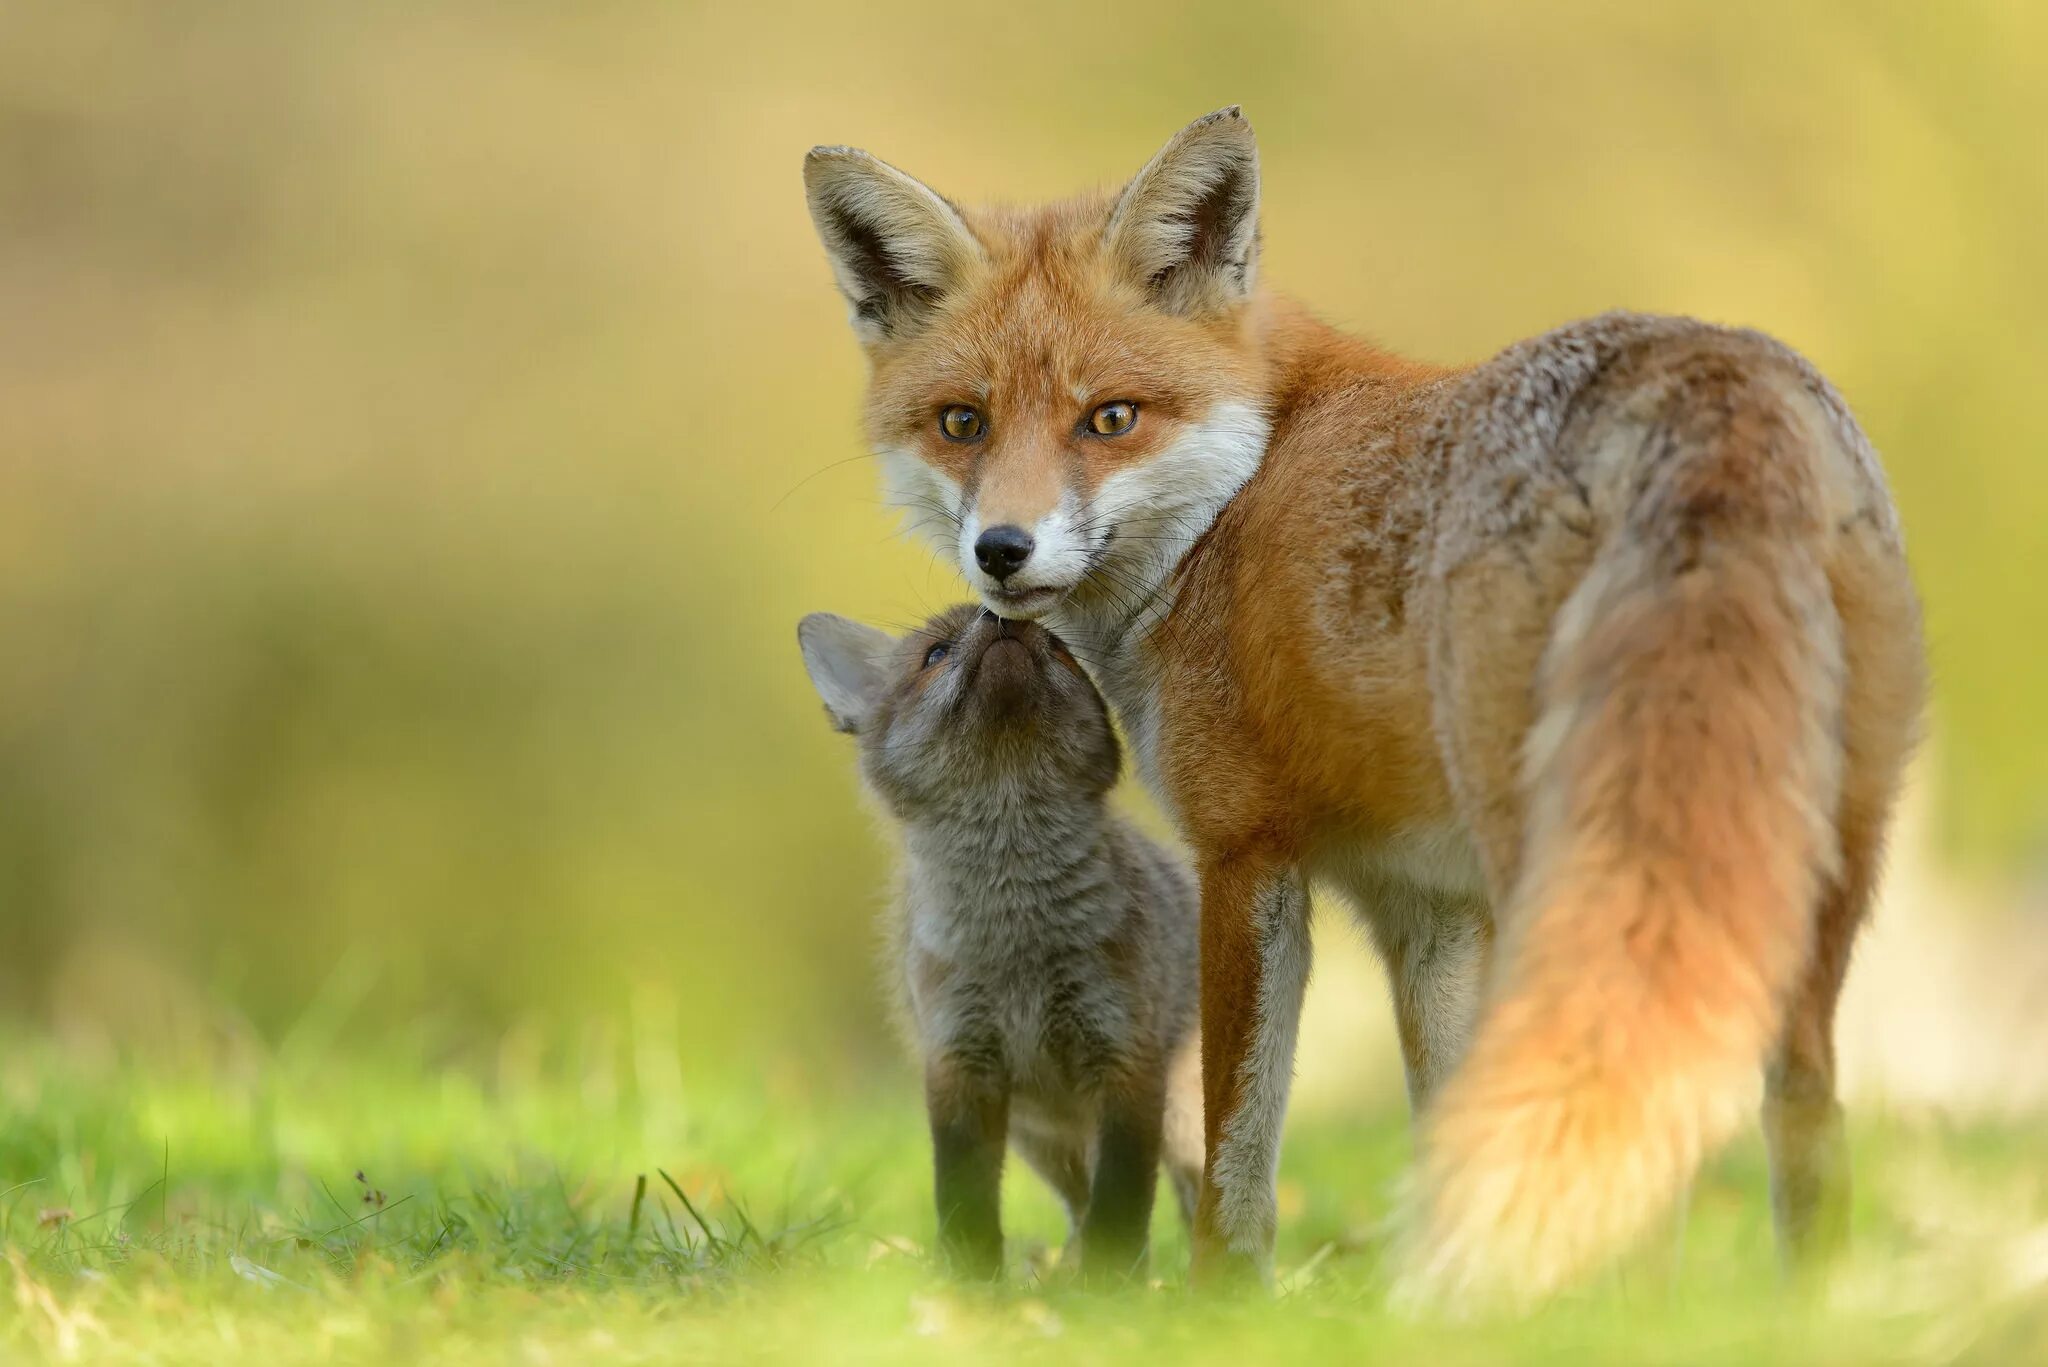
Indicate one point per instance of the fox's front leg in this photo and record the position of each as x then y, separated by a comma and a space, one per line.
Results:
969, 1109
1255, 963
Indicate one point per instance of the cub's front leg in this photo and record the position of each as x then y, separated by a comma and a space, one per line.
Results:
968, 1104
1115, 1230
1255, 962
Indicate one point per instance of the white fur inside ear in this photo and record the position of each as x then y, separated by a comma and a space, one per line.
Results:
1187, 226
847, 663
896, 246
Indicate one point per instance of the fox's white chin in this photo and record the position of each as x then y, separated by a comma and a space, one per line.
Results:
1020, 605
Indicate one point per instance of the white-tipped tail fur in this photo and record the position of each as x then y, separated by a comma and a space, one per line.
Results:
1680, 783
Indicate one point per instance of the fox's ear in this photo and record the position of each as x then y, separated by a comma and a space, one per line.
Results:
1187, 226
847, 663
897, 247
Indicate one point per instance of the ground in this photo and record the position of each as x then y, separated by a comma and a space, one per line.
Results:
288, 1204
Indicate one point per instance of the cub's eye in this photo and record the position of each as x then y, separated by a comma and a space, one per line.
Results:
936, 654
960, 423
1114, 419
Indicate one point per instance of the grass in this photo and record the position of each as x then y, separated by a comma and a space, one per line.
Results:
388, 1208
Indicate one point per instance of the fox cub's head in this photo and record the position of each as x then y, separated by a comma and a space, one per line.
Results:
1063, 397
966, 705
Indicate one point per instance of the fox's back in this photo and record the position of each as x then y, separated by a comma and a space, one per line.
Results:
1572, 427
1384, 482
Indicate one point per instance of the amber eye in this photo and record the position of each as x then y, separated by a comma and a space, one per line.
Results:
1114, 419
960, 423
936, 654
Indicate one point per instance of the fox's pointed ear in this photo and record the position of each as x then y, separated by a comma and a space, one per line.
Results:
896, 246
848, 663
1187, 226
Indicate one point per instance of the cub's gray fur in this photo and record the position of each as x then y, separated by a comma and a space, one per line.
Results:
1048, 951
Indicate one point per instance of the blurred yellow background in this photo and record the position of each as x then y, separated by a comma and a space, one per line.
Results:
422, 426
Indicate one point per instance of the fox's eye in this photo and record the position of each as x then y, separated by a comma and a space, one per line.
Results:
936, 654
1114, 419
960, 423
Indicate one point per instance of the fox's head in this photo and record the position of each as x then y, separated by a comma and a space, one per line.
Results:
1063, 397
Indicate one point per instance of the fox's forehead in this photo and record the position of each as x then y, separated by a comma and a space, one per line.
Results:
1062, 235
1045, 321
1027, 341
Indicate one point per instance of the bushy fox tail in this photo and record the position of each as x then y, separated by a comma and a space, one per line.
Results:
1680, 783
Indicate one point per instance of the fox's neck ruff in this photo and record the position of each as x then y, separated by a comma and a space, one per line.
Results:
1154, 514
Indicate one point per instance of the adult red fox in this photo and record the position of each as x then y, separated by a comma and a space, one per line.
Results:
1585, 673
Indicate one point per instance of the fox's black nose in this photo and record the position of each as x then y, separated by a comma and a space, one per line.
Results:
1002, 551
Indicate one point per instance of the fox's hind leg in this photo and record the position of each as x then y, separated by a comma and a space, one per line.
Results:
1434, 945
1802, 1119
1881, 711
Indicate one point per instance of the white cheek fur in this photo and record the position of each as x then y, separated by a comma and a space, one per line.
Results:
930, 500
1163, 506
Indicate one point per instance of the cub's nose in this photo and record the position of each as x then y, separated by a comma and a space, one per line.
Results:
1002, 551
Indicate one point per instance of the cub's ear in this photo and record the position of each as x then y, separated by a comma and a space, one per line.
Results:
847, 663
1187, 226
897, 248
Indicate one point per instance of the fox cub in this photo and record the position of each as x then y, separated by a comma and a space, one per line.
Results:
1047, 950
